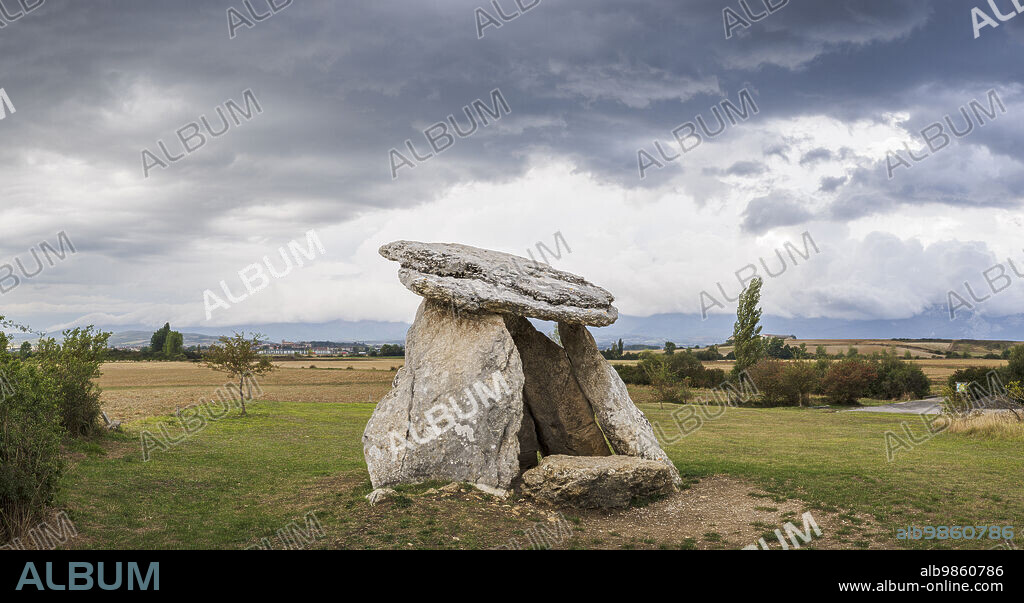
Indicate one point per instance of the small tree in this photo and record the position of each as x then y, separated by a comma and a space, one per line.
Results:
670, 348
174, 346
238, 357
25, 351
746, 332
156, 342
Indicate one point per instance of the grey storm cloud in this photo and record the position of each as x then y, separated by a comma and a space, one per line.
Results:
341, 83
773, 211
830, 184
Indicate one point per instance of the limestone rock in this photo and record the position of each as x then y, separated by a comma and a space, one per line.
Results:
455, 411
597, 482
480, 280
380, 495
625, 425
561, 413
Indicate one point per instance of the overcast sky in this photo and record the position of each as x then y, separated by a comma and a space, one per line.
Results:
837, 85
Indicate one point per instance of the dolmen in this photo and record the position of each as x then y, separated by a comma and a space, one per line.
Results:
486, 398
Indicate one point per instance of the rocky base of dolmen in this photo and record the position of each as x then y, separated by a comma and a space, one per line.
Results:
483, 393
607, 482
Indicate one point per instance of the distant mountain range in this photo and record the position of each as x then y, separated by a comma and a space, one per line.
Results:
683, 329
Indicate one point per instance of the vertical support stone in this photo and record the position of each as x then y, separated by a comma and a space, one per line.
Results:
456, 408
625, 425
564, 420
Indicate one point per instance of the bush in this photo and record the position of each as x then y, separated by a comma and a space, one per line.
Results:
784, 383
848, 380
631, 374
974, 376
802, 378
72, 366
1015, 369
666, 375
897, 379
30, 437
769, 377
709, 353
681, 366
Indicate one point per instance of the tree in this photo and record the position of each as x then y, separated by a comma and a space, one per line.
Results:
238, 357
620, 348
25, 351
820, 352
746, 332
156, 342
670, 348
174, 346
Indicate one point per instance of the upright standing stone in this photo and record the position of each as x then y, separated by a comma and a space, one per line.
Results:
564, 419
627, 428
456, 408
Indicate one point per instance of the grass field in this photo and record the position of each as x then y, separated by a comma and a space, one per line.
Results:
241, 479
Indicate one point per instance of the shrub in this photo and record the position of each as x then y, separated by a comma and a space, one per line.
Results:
769, 377
898, 379
30, 436
666, 375
802, 378
784, 383
974, 376
1015, 369
682, 366
72, 366
848, 380
709, 353
631, 374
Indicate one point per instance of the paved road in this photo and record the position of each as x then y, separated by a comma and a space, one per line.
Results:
914, 407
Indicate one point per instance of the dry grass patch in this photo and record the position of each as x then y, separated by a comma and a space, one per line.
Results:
997, 425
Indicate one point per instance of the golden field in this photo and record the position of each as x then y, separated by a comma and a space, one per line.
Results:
134, 390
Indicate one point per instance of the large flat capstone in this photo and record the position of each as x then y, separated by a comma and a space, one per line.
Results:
481, 280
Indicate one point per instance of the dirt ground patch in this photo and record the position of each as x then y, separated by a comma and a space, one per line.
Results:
718, 512
722, 512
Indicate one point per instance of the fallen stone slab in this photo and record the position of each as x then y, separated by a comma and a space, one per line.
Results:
597, 482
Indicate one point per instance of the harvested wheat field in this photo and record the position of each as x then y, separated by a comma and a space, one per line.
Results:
135, 390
